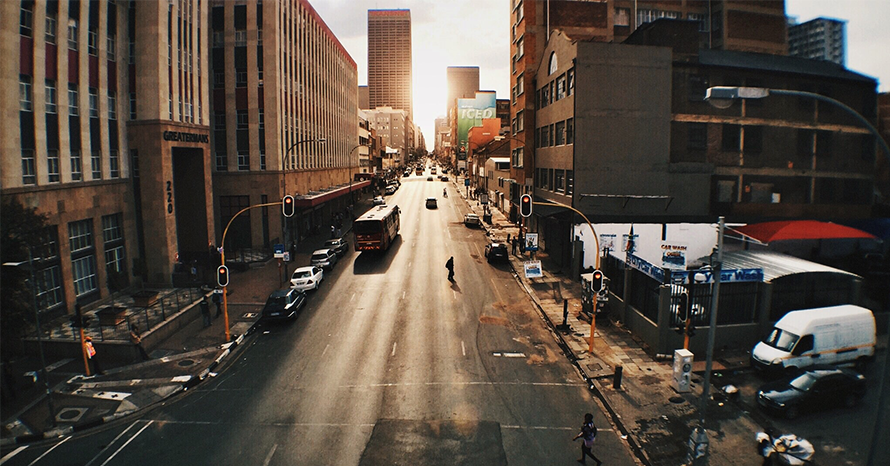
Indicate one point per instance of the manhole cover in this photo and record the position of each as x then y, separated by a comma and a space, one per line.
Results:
677, 399
185, 363
249, 315
71, 414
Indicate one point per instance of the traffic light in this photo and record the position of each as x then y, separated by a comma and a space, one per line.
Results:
287, 206
525, 205
683, 307
222, 276
598, 281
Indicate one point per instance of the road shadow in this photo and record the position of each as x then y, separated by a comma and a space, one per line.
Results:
455, 286
376, 262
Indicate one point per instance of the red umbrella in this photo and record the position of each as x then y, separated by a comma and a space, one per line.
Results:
800, 229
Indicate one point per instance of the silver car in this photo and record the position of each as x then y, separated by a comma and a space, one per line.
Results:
324, 258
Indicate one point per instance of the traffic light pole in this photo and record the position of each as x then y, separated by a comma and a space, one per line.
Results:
222, 255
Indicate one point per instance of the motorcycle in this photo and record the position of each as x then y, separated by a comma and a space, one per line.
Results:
784, 450
445, 194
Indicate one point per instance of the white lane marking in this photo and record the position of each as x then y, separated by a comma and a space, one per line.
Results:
464, 384
409, 264
269, 456
393, 349
325, 349
269, 424
403, 294
551, 428
463, 349
454, 294
126, 443
115, 440
13, 453
352, 297
47, 451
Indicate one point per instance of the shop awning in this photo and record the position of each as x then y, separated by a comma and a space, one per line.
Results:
311, 200
798, 230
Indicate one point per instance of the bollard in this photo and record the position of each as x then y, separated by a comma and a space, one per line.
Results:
616, 382
565, 312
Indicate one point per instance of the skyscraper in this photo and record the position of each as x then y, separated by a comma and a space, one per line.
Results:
463, 82
389, 59
819, 39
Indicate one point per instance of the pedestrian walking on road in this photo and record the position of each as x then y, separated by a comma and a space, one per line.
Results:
450, 266
92, 356
217, 299
137, 342
333, 232
205, 312
587, 436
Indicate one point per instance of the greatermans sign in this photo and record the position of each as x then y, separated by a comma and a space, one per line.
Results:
186, 137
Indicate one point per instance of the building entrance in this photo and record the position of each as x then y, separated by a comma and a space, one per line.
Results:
188, 192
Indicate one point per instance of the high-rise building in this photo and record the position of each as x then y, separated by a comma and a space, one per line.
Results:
287, 89
463, 82
819, 39
389, 59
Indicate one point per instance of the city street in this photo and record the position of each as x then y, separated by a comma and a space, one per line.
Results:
389, 363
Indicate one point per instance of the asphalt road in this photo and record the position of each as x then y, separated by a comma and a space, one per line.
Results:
388, 363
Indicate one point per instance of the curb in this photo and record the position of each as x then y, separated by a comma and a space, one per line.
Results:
81, 426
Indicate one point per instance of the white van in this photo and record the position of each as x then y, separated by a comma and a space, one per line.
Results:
827, 335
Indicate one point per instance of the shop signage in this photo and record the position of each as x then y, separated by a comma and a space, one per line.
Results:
186, 137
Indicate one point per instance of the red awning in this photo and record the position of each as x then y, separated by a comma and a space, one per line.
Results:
799, 229
306, 201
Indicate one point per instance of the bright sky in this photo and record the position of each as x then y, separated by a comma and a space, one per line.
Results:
477, 33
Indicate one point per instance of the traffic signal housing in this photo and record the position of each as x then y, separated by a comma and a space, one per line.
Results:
683, 307
525, 205
598, 282
287, 206
222, 276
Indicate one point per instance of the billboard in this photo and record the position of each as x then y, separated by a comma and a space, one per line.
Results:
471, 112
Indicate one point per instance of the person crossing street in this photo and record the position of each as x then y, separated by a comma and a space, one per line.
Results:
450, 266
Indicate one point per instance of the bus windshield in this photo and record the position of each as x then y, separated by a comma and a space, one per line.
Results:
367, 227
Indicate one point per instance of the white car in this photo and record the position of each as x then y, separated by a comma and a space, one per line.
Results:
472, 220
379, 200
307, 278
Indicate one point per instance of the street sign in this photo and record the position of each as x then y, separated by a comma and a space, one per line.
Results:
531, 241
278, 251
533, 269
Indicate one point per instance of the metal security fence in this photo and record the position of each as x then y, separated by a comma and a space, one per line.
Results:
613, 268
644, 295
739, 304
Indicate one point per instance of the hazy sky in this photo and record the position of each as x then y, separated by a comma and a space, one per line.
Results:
477, 33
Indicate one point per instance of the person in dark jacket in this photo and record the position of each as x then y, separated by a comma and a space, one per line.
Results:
450, 266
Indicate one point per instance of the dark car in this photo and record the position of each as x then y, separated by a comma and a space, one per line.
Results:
812, 389
338, 245
496, 252
284, 305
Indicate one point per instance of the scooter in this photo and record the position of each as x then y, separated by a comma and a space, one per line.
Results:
785, 450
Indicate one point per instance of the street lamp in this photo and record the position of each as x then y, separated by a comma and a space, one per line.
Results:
722, 97
349, 169
286, 155
49, 394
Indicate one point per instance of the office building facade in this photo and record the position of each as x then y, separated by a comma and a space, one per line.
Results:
819, 39
389, 60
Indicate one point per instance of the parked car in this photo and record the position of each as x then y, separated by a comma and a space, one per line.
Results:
472, 220
429, 178
284, 305
443, 178
819, 387
431, 203
496, 251
379, 200
391, 189
307, 278
324, 258
339, 245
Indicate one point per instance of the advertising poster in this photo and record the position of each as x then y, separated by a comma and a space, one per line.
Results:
531, 241
471, 112
533, 269
673, 255
607, 241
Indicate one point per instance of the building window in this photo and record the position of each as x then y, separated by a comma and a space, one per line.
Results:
112, 234
262, 116
753, 139
76, 166
73, 105
29, 176
560, 87
545, 136
49, 285
26, 103
94, 102
646, 16
132, 105
622, 16
110, 44
112, 105
92, 42
243, 160
219, 38
131, 53
80, 235
520, 48
243, 119
240, 38
219, 79
697, 137
570, 81
114, 164
240, 78
517, 158
259, 37
219, 120
222, 162
570, 131
84, 274
262, 159
50, 29
701, 19
72, 34
560, 181
96, 164
520, 121
570, 182
731, 138
26, 19
52, 165
170, 106
112, 229
114, 259
560, 133
50, 96
520, 84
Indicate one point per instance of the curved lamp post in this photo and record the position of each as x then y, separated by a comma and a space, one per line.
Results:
286, 156
723, 97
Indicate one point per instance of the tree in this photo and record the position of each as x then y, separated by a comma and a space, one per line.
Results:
20, 228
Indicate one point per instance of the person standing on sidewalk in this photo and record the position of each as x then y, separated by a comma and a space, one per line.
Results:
217, 299
92, 355
587, 436
205, 312
137, 342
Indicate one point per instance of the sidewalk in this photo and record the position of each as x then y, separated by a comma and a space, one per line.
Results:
184, 359
656, 420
